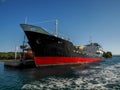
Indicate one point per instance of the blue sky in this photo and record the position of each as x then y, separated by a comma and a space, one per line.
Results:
78, 19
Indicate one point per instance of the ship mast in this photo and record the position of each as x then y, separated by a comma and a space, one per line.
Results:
23, 56
56, 27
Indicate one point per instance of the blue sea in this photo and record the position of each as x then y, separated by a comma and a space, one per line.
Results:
104, 75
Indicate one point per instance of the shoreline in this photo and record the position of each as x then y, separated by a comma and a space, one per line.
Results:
8, 60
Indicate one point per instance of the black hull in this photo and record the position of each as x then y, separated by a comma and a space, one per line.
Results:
46, 45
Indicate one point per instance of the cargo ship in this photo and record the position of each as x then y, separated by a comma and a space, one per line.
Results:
52, 50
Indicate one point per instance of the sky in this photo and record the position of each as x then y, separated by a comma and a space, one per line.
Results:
80, 20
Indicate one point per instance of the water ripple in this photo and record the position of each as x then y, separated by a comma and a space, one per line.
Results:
97, 77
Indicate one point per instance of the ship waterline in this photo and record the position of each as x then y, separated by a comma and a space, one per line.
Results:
53, 61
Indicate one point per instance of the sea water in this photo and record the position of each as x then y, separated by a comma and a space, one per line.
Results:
104, 75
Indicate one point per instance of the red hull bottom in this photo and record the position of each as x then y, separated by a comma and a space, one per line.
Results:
46, 61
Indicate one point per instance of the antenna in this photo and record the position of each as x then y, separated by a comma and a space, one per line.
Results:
90, 39
56, 27
26, 19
